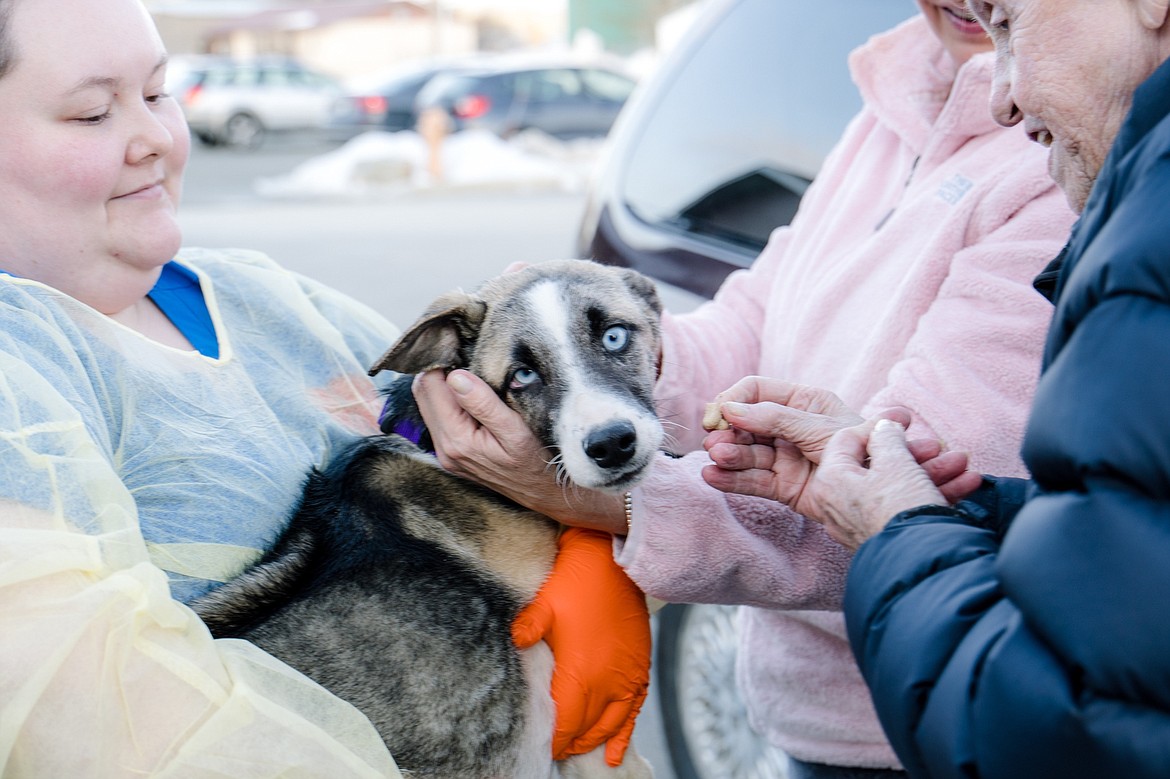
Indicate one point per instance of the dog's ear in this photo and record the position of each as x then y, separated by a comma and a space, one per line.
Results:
439, 339
643, 287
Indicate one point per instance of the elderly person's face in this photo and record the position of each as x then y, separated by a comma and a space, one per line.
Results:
91, 149
958, 31
1068, 69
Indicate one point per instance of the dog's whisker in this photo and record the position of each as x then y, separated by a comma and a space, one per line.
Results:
561, 475
572, 492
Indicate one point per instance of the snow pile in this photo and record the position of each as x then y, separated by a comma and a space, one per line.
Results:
377, 163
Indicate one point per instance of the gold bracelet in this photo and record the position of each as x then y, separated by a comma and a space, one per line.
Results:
628, 505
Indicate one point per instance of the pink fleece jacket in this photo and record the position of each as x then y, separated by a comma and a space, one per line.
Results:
905, 279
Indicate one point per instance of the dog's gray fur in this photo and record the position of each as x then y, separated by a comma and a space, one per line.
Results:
395, 584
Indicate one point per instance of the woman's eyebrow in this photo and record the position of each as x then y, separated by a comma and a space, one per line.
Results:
94, 82
109, 82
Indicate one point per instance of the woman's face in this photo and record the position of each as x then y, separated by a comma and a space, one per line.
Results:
958, 31
1068, 69
91, 149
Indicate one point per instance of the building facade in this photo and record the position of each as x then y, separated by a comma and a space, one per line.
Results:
623, 26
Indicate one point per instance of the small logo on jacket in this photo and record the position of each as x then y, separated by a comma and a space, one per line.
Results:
953, 189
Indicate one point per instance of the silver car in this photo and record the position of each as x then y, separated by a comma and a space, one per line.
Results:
239, 102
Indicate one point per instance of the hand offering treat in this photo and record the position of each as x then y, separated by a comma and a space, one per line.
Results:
713, 418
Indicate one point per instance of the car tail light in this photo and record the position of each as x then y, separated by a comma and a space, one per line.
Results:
192, 94
373, 105
471, 106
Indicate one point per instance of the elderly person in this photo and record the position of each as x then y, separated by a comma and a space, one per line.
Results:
1023, 632
904, 279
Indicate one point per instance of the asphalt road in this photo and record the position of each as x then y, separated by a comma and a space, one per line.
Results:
395, 253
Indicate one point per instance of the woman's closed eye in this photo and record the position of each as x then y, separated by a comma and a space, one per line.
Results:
93, 119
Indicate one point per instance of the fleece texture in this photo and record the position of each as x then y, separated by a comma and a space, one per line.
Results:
905, 279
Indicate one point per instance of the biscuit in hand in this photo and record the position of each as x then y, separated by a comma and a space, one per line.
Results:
713, 418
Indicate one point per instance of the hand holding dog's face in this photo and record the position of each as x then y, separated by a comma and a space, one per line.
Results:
557, 398
478, 437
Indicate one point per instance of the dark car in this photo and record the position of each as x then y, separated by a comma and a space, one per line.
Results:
711, 154
387, 102
563, 100
717, 148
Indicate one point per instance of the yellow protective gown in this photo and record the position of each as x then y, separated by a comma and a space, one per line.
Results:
133, 477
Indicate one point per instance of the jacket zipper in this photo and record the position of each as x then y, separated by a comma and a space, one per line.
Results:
906, 186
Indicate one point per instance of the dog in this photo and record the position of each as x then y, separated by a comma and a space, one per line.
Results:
395, 583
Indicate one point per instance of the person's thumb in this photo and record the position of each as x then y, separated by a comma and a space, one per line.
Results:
615, 748
888, 450
476, 398
808, 431
759, 418
897, 414
532, 624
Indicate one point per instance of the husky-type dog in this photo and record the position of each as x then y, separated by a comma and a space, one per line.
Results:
395, 584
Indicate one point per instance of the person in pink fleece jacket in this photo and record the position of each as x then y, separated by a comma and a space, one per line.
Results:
904, 280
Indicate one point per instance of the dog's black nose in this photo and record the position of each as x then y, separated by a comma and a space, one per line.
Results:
612, 445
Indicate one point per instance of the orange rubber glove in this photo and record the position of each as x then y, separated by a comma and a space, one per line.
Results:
596, 622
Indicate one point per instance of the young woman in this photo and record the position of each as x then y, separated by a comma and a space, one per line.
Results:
157, 416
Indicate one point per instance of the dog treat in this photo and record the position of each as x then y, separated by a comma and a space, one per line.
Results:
713, 418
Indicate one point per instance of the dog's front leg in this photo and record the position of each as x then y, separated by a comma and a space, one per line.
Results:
593, 766
537, 742
535, 748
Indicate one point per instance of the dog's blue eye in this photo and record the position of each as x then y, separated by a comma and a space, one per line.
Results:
525, 377
615, 338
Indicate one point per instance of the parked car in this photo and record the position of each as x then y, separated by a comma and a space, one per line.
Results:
566, 101
716, 149
386, 102
238, 102
711, 154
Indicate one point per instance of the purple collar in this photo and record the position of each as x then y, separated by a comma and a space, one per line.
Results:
410, 430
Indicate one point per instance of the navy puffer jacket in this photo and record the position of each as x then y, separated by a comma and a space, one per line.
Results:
1045, 651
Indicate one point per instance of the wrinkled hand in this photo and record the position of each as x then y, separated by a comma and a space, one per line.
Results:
779, 432
806, 417
478, 437
596, 622
867, 475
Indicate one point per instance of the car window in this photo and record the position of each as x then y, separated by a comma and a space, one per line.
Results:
311, 79
731, 144
278, 77
549, 86
606, 85
217, 77
444, 88
405, 85
501, 86
243, 76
